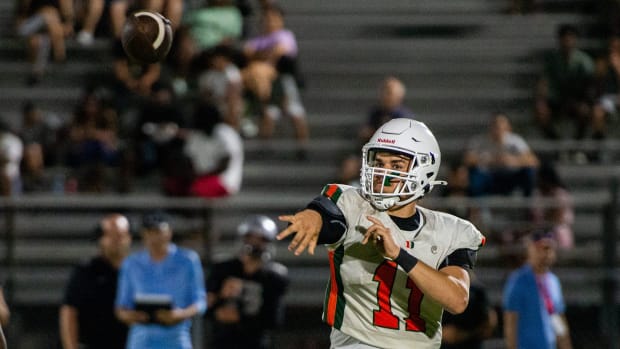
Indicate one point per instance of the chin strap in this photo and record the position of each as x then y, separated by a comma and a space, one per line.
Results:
439, 183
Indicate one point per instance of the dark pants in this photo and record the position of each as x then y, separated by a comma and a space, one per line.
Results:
502, 181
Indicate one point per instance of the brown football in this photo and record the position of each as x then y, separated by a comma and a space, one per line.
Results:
146, 37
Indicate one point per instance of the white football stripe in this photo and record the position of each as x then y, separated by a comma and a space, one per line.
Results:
160, 24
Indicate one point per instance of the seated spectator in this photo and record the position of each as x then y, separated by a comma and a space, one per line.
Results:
93, 142
88, 13
216, 152
156, 130
132, 81
390, 105
564, 91
349, 171
181, 64
608, 88
221, 85
272, 76
171, 9
219, 22
40, 128
45, 24
500, 161
559, 218
11, 151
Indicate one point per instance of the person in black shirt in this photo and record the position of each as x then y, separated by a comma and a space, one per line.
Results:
245, 294
469, 329
87, 313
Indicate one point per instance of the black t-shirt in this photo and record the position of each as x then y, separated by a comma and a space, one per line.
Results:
260, 305
92, 290
471, 319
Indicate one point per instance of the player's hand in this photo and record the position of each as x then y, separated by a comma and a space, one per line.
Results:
382, 238
306, 226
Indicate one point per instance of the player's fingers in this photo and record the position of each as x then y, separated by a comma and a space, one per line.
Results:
303, 244
312, 245
289, 230
375, 220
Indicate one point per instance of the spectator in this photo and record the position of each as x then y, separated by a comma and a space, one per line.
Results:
41, 148
272, 77
471, 328
216, 152
533, 302
132, 82
11, 152
88, 13
219, 22
565, 87
40, 128
87, 312
246, 293
93, 141
171, 9
608, 89
156, 130
160, 289
221, 85
500, 161
349, 171
45, 24
180, 62
390, 105
559, 217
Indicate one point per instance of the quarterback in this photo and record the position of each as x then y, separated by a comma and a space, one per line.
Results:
394, 265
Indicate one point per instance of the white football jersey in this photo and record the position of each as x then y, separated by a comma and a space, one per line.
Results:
372, 299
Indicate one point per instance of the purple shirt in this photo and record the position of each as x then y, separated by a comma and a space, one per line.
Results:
269, 41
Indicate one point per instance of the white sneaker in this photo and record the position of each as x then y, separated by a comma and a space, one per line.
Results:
85, 38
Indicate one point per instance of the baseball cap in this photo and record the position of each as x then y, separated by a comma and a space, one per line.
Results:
543, 236
156, 220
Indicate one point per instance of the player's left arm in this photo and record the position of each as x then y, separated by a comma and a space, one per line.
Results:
449, 286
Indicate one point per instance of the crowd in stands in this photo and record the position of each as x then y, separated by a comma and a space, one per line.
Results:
223, 81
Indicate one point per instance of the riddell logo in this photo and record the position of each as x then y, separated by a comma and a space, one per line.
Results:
383, 140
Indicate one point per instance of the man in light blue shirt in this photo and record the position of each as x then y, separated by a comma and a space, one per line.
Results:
160, 289
533, 303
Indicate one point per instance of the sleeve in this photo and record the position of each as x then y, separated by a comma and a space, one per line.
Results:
198, 294
512, 295
334, 222
124, 292
274, 307
72, 295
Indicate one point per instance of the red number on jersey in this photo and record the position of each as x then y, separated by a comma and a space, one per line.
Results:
385, 274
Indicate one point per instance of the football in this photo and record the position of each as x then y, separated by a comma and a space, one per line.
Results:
146, 37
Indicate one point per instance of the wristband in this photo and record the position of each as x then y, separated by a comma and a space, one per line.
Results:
405, 260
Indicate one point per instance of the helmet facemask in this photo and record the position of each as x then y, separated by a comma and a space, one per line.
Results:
387, 187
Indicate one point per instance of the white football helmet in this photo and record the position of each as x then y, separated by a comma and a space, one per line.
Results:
406, 137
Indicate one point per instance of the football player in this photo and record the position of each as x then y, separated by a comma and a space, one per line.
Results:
245, 294
395, 266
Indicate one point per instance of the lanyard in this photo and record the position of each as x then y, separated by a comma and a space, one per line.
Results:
544, 291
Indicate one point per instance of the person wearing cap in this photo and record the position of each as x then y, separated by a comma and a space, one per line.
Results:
245, 293
160, 289
86, 316
533, 302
